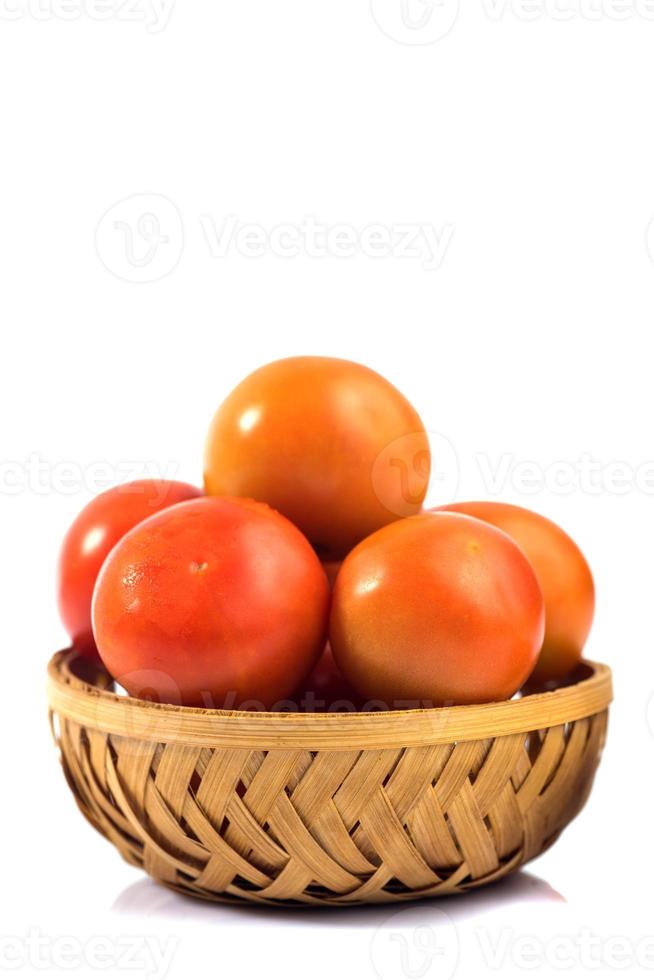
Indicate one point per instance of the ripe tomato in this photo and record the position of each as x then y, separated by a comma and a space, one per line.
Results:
329, 443
331, 571
439, 608
90, 538
215, 601
325, 686
564, 576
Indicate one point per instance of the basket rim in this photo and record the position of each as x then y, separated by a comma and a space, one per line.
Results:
91, 706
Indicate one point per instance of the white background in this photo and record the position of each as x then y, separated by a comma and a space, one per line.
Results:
522, 141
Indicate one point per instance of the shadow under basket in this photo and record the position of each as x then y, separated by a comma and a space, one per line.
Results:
328, 809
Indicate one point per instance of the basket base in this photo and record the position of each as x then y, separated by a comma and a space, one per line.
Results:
290, 826
314, 901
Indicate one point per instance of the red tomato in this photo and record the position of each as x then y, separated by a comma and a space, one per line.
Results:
329, 443
216, 601
326, 687
438, 608
90, 538
331, 571
564, 577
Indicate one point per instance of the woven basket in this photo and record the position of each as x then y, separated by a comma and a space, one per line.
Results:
328, 809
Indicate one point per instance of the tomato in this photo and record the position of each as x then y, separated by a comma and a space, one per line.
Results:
90, 538
329, 443
438, 608
214, 602
564, 576
326, 687
331, 571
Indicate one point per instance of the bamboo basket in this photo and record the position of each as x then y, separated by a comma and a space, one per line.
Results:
328, 809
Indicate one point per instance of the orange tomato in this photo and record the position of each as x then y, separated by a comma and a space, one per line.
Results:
331, 571
564, 576
329, 443
438, 608
90, 538
217, 602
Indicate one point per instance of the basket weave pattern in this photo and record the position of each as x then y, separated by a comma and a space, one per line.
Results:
298, 823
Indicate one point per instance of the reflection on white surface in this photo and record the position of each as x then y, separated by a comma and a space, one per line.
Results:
148, 898
448, 938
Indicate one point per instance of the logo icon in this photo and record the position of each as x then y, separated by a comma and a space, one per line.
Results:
140, 238
401, 473
415, 943
415, 21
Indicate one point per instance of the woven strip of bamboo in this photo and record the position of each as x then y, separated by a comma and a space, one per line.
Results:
287, 809
105, 711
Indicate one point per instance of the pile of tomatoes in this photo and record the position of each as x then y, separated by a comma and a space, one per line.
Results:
307, 573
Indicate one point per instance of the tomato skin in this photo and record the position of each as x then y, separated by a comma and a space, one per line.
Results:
438, 608
327, 442
331, 569
90, 538
325, 686
564, 575
214, 602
